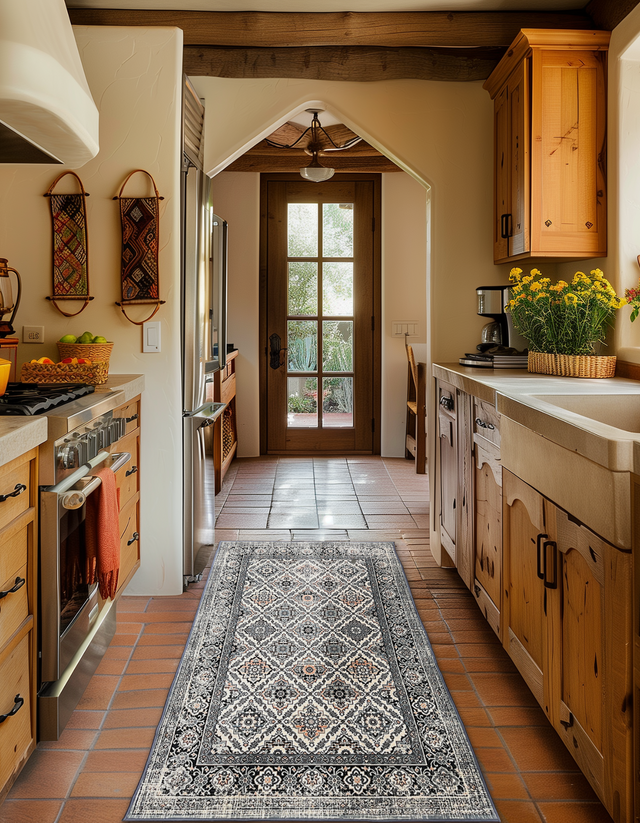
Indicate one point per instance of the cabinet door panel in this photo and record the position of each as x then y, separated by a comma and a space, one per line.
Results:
519, 241
524, 605
568, 164
488, 525
502, 170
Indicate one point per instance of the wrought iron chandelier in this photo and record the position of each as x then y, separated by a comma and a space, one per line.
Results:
315, 171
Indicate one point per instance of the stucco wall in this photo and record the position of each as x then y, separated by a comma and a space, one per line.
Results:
135, 77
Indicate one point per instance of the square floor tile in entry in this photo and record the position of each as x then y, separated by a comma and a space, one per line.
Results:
91, 772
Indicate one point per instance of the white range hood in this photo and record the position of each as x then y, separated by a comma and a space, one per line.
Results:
47, 114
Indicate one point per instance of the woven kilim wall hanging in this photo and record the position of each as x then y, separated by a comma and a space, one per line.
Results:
70, 246
140, 218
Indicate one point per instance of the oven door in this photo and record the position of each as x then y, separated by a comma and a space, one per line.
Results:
69, 605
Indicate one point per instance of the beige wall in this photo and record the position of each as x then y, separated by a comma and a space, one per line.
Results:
236, 197
135, 76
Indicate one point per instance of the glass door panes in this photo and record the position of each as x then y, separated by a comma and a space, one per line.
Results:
320, 315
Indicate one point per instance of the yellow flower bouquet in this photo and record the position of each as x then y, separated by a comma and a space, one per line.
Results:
563, 318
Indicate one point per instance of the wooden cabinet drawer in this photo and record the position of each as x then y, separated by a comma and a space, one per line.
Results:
13, 552
486, 421
15, 481
14, 606
15, 731
131, 414
127, 476
129, 541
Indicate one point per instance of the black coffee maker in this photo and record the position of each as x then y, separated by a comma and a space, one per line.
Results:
501, 346
492, 302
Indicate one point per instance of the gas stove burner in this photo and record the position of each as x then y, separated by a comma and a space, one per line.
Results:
26, 399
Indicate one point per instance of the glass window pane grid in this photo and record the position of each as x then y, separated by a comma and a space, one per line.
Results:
320, 373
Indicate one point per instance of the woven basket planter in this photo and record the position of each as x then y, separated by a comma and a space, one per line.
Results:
572, 365
91, 375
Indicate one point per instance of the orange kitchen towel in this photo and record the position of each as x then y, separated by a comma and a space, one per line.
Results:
103, 534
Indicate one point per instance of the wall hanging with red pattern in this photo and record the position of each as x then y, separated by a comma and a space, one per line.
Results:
70, 246
140, 218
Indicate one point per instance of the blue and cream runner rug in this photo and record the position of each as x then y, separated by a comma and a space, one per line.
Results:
308, 691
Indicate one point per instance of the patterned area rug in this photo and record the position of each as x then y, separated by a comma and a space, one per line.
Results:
308, 691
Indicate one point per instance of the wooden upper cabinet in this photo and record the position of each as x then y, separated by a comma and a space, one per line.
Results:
549, 94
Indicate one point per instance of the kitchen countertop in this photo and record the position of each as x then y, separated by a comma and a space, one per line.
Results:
20, 434
605, 431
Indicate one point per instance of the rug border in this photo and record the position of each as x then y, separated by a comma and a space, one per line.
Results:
222, 544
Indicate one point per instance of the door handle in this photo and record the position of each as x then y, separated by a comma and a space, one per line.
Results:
276, 351
505, 226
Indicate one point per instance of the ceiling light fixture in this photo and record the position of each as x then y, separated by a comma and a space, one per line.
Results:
315, 171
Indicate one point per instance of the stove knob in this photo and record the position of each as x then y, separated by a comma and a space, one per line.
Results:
92, 445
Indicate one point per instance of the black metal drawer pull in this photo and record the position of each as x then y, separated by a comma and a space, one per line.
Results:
484, 425
19, 702
131, 471
540, 570
131, 419
18, 489
550, 584
135, 536
20, 581
446, 402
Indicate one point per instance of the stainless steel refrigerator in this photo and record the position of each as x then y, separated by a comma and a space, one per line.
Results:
204, 273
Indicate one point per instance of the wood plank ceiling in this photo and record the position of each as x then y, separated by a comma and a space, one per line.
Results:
355, 46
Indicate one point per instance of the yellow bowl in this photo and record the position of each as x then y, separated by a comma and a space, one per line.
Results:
5, 369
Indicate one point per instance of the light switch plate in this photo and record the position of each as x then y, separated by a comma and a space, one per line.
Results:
402, 328
151, 336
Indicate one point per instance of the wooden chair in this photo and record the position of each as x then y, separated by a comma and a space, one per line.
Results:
416, 437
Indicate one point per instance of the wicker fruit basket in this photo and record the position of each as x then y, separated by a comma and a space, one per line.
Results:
88, 351
571, 365
91, 375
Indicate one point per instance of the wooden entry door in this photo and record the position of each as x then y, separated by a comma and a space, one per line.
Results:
321, 292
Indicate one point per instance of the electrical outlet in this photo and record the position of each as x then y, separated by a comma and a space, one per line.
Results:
33, 334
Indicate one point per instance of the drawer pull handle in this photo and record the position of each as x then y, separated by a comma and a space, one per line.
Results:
131, 419
550, 584
18, 489
135, 536
19, 702
484, 425
20, 581
446, 402
540, 570
131, 471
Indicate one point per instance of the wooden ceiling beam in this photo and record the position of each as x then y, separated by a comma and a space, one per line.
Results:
491, 29
606, 14
288, 162
355, 63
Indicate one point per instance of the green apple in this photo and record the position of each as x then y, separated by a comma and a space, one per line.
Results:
99, 339
68, 338
87, 337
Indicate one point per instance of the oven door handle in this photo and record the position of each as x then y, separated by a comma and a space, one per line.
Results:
76, 498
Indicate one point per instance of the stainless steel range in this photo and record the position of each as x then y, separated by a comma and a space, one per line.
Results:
76, 626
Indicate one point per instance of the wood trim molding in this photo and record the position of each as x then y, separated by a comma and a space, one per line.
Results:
354, 63
390, 29
288, 162
624, 368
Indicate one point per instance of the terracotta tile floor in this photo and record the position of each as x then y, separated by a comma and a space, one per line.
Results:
91, 772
